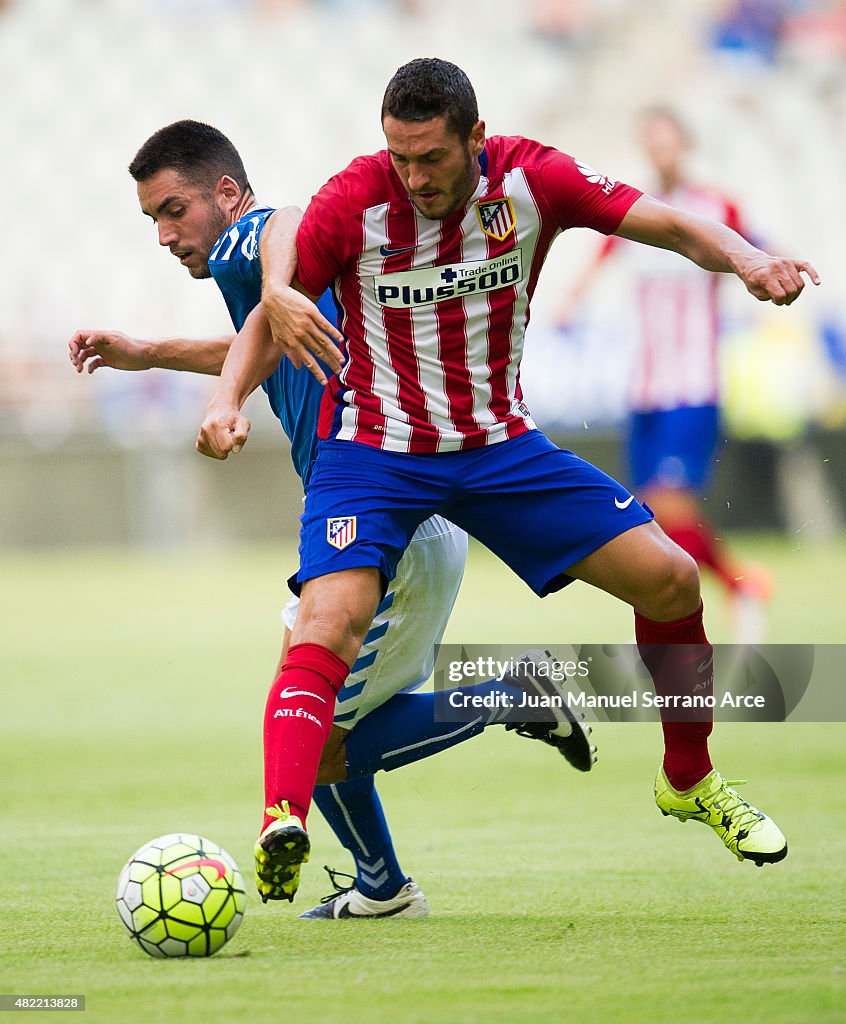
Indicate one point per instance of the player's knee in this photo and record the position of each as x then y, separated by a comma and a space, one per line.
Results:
333, 625
337, 612
674, 587
339, 627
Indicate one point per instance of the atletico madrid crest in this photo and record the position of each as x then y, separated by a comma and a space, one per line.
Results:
340, 531
496, 217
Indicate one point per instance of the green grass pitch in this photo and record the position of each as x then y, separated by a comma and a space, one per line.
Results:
132, 690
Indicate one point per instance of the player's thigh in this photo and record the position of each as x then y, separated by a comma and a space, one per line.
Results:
542, 509
398, 651
644, 568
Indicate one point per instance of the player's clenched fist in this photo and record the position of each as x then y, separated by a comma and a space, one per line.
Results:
222, 431
776, 279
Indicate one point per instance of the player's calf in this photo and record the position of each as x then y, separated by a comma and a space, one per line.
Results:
333, 759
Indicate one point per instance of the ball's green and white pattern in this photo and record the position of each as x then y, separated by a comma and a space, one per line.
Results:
181, 895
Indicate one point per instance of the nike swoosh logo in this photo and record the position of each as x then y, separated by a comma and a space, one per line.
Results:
346, 912
624, 504
288, 692
387, 250
200, 862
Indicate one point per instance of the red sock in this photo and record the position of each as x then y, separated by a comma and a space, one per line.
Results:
679, 659
698, 540
297, 719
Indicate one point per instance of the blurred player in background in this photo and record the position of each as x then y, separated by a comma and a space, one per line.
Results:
673, 423
192, 183
433, 247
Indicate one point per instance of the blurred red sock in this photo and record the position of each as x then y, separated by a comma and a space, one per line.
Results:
698, 540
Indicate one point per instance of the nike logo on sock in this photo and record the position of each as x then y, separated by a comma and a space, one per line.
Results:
288, 692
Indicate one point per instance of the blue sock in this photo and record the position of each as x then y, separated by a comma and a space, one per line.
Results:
354, 813
403, 729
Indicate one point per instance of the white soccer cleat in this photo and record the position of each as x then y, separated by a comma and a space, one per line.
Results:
409, 901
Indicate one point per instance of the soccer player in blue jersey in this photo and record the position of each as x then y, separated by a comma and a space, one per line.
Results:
192, 183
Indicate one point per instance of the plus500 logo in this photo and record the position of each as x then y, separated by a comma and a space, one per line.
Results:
453, 281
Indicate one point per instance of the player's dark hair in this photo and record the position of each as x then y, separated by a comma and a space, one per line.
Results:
197, 152
428, 87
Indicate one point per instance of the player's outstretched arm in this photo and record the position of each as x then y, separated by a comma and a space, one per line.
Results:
298, 327
718, 248
90, 350
251, 359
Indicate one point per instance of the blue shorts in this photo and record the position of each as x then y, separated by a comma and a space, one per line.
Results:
540, 509
673, 448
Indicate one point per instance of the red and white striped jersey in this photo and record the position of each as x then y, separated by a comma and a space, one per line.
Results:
434, 312
676, 314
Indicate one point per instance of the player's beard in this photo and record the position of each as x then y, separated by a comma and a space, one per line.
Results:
218, 222
460, 192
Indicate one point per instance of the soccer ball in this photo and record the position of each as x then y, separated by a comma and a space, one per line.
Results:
181, 895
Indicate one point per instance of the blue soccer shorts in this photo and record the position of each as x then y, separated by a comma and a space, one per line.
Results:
673, 448
536, 506
398, 652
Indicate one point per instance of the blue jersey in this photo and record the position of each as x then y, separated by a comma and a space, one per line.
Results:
294, 395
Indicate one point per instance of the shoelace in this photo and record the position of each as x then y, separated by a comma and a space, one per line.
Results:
740, 812
339, 889
280, 810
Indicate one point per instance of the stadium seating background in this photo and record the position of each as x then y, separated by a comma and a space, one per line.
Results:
297, 86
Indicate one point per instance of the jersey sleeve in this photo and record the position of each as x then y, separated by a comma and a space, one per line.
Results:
322, 238
578, 196
234, 265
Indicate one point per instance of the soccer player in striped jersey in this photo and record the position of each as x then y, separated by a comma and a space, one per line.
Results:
673, 423
433, 247
192, 183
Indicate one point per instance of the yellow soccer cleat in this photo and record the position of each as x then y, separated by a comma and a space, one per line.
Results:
746, 831
280, 851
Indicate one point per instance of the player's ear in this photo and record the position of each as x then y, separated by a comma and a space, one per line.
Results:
227, 192
477, 138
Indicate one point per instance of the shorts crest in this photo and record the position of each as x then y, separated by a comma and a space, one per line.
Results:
496, 217
340, 531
